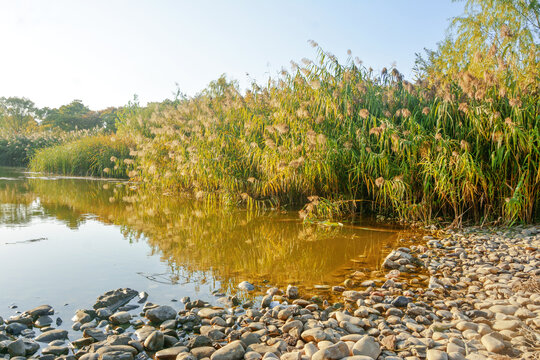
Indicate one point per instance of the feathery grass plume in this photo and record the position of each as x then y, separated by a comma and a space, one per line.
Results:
300, 136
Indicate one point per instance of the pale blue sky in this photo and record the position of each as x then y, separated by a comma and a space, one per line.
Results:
103, 52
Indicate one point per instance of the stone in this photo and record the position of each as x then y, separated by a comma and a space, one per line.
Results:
160, 314
115, 298
209, 313
43, 321
120, 318
400, 301
199, 341
170, 353
52, 335
332, 352
506, 325
17, 348
116, 355
16, 328
252, 355
185, 356
95, 334
203, 352
232, 351
504, 309
246, 286
56, 350
292, 292
492, 344
266, 301
154, 341
315, 334
433, 354
367, 346
40, 310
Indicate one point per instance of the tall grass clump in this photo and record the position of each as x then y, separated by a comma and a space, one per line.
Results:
467, 150
99, 155
16, 149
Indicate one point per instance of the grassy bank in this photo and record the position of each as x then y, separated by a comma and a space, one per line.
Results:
100, 155
16, 149
467, 150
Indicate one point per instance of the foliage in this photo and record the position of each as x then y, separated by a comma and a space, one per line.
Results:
16, 149
17, 115
499, 37
344, 133
100, 155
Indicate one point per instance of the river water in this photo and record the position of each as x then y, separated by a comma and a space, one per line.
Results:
64, 241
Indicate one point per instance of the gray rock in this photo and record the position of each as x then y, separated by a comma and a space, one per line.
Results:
433, 354
246, 286
95, 334
17, 348
160, 314
232, 351
203, 352
292, 292
367, 346
120, 318
170, 353
199, 341
40, 310
56, 350
332, 352
252, 355
492, 344
43, 320
115, 298
15, 328
155, 341
315, 334
52, 335
266, 301
117, 355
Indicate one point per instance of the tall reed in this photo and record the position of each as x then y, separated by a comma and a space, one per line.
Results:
342, 132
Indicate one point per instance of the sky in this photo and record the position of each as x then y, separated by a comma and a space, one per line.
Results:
105, 52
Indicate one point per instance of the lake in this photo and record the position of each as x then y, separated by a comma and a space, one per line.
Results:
64, 241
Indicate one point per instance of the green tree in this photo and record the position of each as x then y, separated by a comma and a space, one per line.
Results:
72, 116
18, 114
493, 38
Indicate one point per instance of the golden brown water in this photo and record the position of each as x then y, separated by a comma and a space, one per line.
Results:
198, 243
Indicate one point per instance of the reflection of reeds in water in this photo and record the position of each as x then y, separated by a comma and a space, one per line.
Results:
205, 244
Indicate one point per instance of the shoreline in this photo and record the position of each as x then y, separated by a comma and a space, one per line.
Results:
482, 301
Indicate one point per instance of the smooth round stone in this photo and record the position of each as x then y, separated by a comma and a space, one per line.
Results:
43, 320
367, 346
492, 344
17, 348
433, 354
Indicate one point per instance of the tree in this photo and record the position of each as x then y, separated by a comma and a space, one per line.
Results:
493, 38
18, 114
73, 116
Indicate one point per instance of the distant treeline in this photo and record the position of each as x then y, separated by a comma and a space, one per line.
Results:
20, 116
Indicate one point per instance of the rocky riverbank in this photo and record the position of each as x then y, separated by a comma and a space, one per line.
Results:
481, 301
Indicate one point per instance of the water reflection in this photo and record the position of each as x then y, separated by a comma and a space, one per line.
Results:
200, 243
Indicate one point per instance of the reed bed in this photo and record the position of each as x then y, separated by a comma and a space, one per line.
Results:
16, 149
340, 137
99, 155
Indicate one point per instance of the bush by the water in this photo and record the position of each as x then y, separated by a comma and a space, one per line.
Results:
16, 149
101, 155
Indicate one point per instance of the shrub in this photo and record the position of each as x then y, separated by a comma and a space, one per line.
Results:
101, 155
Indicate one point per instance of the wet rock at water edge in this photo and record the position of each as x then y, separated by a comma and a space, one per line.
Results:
115, 298
232, 351
160, 314
246, 286
52, 335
